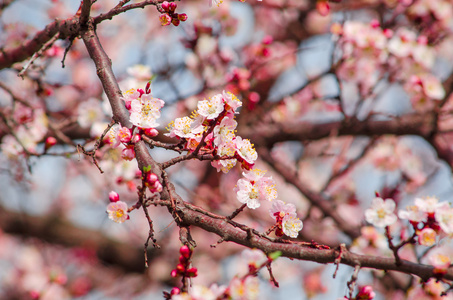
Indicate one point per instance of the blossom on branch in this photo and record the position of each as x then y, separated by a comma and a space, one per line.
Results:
254, 188
381, 212
117, 211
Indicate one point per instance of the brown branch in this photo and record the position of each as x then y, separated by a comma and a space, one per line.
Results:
269, 134
65, 28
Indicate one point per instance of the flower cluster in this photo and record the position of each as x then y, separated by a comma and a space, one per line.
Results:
117, 210
152, 182
286, 220
254, 188
144, 111
183, 267
213, 125
368, 52
169, 16
429, 218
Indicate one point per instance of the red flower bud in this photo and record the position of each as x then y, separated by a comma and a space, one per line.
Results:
166, 5
173, 6
180, 268
50, 142
152, 132
175, 291
192, 272
174, 273
114, 197
185, 251
175, 22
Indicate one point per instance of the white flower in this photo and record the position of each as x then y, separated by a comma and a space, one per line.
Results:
185, 128
145, 111
224, 132
231, 101
444, 216
117, 211
427, 205
245, 289
140, 72
413, 214
224, 165
281, 209
211, 108
381, 212
89, 112
427, 237
291, 226
432, 86
254, 257
245, 150
255, 188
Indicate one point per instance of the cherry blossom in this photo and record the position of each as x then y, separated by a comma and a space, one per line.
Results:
145, 111
117, 211
381, 212
211, 108
291, 226
255, 188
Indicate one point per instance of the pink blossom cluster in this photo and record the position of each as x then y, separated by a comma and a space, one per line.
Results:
213, 124
144, 111
170, 16
429, 218
254, 187
369, 52
286, 219
392, 155
117, 210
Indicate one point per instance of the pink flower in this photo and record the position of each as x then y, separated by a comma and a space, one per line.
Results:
145, 111
280, 209
165, 19
128, 153
427, 237
366, 293
291, 226
117, 211
381, 212
255, 188
254, 257
211, 108
245, 150
124, 135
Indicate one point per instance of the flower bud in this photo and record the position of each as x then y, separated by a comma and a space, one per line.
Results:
136, 138
182, 17
180, 268
173, 6
175, 22
175, 291
166, 5
185, 251
174, 273
151, 178
50, 142
192, 272
114, 197
152, 132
